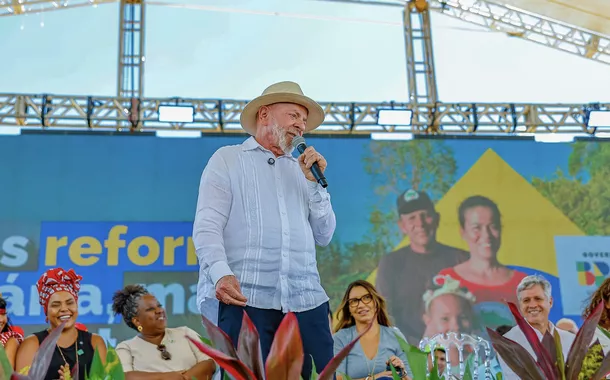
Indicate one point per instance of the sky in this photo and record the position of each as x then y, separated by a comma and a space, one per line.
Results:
233, 49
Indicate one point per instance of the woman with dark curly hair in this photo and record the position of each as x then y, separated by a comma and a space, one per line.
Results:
157, 352
9, 338
602, 294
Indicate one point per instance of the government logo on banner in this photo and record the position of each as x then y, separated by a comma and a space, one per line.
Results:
583, 263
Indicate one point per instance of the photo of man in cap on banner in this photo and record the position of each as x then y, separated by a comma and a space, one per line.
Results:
404, 274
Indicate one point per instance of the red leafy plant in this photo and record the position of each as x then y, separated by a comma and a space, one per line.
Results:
550, 359
285, 359
42, 359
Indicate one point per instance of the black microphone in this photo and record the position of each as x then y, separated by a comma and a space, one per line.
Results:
298, 143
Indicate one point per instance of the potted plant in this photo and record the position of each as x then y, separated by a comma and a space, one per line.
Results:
40, 363
285, 359
549, 364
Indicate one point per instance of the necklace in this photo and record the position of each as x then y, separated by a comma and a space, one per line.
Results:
371, 372
75, 353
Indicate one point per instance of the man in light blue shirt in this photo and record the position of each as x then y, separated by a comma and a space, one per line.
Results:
260, 214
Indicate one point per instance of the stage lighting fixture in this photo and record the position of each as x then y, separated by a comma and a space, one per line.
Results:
176, 114
599, 119
179, 134
14, 131
557, 137
391, 136
394, 116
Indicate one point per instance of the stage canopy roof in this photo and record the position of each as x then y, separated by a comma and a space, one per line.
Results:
593, 15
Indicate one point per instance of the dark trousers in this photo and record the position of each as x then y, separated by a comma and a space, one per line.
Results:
313, 325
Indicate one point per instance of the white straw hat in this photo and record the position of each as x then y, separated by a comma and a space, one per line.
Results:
282, 92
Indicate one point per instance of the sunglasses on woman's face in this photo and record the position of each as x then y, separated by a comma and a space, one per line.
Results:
164, 354
366, 299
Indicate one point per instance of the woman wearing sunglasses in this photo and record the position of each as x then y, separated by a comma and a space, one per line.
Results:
378, 350
157, 352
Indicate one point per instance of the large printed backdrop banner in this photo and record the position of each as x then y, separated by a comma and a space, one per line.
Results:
119, 210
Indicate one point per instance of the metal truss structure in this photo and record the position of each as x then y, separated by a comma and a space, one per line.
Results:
421, 75
129, 110
131, 49
516, 23
528, 26
222, 116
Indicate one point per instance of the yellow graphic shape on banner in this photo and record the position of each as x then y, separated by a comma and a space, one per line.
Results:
529, 221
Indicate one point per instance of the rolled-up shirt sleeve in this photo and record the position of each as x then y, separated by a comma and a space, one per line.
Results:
213, 207
321, 215
123, 351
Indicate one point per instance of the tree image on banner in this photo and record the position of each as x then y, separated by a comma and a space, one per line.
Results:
582, 194
396, 166
340, 264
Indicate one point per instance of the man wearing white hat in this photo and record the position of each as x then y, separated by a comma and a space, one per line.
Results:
260, 214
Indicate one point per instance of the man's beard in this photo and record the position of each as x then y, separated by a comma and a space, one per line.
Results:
281, 137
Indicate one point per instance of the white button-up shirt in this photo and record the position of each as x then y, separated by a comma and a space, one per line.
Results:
516, 334
261, 221
604, 341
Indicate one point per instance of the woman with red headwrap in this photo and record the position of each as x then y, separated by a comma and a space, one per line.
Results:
9, 337
58, 295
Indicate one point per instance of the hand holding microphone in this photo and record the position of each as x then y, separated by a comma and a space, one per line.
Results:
312, 163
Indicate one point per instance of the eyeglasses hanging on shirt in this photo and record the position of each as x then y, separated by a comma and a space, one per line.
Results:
165, 355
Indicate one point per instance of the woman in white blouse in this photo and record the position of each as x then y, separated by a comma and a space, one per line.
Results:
157, 352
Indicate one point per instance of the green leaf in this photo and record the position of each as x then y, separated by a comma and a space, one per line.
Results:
581, 343
603, 367
394, 373
592, 361
73, 374
434, 372
468, 370
7, 369
559, 355
113, 367
206, 341
604, 331
314, 371
417, 359
97, 370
